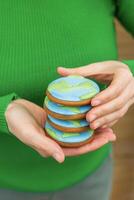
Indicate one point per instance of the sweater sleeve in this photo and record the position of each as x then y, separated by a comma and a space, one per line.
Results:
4, 101
125, 14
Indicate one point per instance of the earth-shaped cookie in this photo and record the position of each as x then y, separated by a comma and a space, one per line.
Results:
72, 90
78, 125
68, 139
60, 111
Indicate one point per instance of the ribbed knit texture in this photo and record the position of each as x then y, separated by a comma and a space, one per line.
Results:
35, 38
4, 101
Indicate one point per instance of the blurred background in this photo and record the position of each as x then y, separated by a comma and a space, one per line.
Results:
123, 180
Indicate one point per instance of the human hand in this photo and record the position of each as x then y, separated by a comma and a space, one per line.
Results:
112, 103
26, 121
101, 137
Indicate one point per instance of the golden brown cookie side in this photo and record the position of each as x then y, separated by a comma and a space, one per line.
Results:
65, 117
68, 103
68, 129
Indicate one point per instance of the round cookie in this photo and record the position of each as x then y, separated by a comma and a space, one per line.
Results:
68, 125
65, 112
66, 139
72, 90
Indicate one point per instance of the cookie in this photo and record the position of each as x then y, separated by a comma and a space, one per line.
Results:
60, 111
73, 90
66, 104
68, 125
66, 139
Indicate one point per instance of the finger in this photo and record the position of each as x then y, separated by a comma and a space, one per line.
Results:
109, 124
115, 121
45, 155
106, 119
48, 147
99, 140
44, 145
87, 72
106, 67
111, 106
83, 70
120, 80
111, 117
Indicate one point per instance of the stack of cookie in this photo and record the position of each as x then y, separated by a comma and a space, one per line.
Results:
67, 102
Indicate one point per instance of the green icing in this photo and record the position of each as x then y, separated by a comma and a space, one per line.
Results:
85, 85
76, 123
64, 86
73, 109
86, 96
69, 134
61, 86
46, 102
52, 133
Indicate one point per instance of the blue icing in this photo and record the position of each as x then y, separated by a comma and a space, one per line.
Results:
67, 137
73, 80
73, 88
69, 123
65, 110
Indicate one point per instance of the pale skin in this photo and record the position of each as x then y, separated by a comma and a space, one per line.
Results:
26, 120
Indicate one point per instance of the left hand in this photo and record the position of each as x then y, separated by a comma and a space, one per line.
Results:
112, 103
102, 136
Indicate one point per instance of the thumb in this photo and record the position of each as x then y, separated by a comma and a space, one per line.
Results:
73, 71
92, 70
51, 148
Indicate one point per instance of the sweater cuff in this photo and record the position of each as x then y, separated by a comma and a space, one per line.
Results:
4, 101
130, 64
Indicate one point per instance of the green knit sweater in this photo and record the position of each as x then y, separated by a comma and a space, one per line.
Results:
35, 38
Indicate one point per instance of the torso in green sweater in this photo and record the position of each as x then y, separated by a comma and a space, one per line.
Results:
35, 38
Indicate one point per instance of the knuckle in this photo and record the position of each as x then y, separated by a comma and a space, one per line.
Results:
43, 154
123, 111
125, 71
41, 148
38, 144
109, 94
104, 120
116, 89
120, 103
116, 92
120, 113
105, 110
99, 112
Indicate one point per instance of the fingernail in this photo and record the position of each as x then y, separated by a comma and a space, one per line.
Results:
58, 157
96, 102
96, 125
104, 126
92, 117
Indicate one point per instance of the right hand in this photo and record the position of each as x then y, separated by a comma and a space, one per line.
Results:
26, 121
